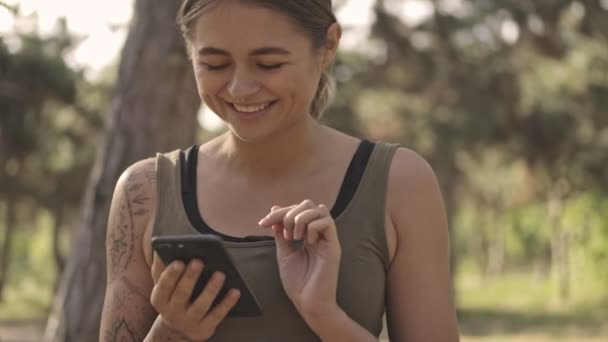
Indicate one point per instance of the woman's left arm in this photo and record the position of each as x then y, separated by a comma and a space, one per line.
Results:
420, 306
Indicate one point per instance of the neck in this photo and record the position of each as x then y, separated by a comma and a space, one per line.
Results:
288, 152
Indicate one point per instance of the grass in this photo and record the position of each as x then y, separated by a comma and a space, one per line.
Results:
519, 307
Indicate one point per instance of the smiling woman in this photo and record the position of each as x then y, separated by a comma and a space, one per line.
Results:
287, 79
329, 231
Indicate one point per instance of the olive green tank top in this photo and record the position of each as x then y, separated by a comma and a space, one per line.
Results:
363, 265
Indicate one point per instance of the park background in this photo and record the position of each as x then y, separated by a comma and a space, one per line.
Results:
508, 100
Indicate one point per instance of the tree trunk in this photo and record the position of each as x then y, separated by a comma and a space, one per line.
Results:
57, 255
448, 180
496, 241
560, 263
564, 266
5, 253
154, 108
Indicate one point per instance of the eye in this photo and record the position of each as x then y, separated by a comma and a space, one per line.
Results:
270, 66
215, 67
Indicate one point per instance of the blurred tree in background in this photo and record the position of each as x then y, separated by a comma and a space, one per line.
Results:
48, 128
154, 107
508, 100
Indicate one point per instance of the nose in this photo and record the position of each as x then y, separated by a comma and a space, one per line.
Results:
242, 85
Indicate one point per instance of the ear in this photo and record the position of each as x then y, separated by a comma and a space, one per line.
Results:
334, 33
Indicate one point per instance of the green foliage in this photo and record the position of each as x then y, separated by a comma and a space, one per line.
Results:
586, 216
508, 102
49, 123
50, 120
29, 291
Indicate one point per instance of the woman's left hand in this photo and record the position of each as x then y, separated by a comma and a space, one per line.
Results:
308, 270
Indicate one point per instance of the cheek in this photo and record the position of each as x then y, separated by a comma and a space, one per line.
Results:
299, 85
207, 88
207, 84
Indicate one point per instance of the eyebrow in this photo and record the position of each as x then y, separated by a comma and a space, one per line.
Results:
271, 50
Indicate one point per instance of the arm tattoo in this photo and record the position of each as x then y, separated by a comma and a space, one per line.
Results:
120, 297
121, 332
122, 237
133, 290
127, 296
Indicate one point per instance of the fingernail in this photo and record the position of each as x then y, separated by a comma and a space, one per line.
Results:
219, 277
196, 265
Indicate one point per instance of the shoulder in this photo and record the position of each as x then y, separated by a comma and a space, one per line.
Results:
409, 170
142, 171
135, 191
413, 189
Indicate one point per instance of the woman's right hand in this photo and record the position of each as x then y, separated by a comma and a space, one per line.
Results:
170, 297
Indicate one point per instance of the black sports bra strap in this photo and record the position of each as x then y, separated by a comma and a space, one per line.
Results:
353, 177
188, 165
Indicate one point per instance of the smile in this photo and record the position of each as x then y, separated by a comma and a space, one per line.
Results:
251, 108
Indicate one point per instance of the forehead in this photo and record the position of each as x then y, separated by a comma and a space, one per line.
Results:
234, 25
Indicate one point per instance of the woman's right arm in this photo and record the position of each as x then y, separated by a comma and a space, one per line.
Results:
127, 313
139, 287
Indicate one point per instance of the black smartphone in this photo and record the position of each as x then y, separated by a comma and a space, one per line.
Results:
211, 251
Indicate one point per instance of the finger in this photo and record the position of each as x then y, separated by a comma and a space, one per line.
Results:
290, 217
158, 266
283, 246
183, 290
302, 220
220, 311
275, 216
321, 230
163, 290
201, 305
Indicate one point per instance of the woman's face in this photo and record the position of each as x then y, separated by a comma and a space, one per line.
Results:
254, 68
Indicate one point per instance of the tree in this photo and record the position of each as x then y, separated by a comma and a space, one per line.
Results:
37, 90
154, 107
522, 80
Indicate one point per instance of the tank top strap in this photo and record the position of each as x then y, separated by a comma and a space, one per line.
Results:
171, 218
367, 209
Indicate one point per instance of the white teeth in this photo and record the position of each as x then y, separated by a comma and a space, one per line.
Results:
250, 109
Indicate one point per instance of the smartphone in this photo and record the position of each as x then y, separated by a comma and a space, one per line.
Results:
211, 251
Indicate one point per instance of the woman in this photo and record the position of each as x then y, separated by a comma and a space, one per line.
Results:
371, 217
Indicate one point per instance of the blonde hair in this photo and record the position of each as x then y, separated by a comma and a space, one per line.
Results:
312, 16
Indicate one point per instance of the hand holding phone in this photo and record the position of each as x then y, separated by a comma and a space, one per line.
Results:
215, 258
178, 315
